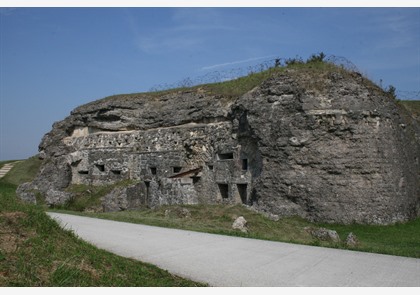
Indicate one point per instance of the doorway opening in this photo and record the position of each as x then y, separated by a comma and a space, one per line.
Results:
242, 190
224, 190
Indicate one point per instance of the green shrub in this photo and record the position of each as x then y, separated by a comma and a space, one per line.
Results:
314, 58
391, 91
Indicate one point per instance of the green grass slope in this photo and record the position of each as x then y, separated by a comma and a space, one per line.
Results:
35, 251
413, 106
23, 171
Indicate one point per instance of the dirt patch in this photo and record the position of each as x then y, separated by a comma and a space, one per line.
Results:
13, 217
9, 242
85, 266
11, 233
80, 265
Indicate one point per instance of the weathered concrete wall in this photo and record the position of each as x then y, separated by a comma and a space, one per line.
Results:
183, 164
327, 146
341, 154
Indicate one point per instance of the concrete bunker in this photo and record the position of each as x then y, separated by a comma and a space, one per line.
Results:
189, 164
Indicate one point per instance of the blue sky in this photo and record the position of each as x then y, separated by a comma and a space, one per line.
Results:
55, 59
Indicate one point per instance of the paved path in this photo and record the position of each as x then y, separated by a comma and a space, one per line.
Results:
6, 168
232, 261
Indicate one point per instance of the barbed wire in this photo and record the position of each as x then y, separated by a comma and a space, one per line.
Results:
235, 73
217, 76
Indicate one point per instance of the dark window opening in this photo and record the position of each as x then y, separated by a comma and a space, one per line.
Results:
146, 199
244, 164
253, 197
195, 179
225, 156
83, 172
153, 170
100, 167
210, 167
75, 164
176, 169
116, 172
242, 192
224, 190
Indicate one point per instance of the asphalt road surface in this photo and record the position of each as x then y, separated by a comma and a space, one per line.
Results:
234, 262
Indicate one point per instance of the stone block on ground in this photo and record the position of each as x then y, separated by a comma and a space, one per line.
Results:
240, 223
325, 234
352, 240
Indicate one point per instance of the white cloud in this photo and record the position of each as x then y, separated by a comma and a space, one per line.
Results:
186, 29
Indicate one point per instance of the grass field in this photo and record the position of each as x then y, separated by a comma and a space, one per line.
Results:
413, 106
2, 163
